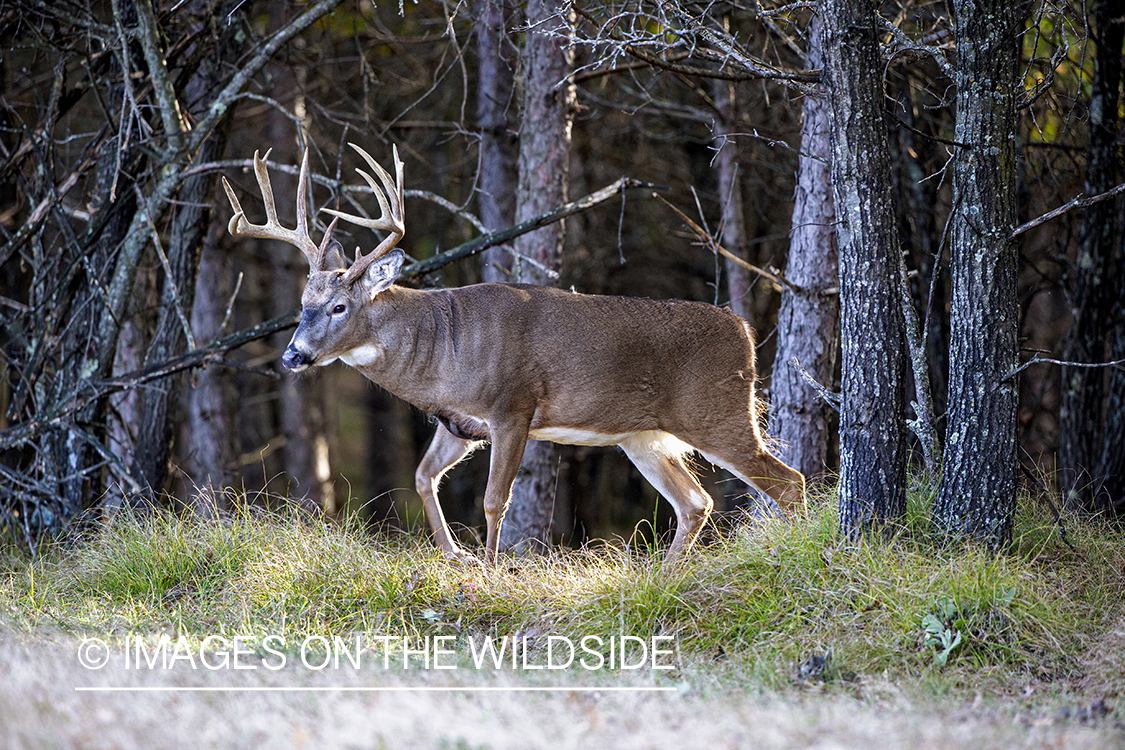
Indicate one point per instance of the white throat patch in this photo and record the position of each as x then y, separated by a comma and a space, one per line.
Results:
361, 355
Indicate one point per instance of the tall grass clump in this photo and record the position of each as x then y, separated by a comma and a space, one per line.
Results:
761, 597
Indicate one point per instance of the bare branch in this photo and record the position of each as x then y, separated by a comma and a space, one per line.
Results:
1036, 359
832, 398
1078, 202
706, 238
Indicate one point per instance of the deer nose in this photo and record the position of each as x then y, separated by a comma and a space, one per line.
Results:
293, 358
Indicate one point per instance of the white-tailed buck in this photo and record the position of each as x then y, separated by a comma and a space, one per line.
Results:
505, 363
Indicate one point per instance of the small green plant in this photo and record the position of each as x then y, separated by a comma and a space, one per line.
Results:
943, 630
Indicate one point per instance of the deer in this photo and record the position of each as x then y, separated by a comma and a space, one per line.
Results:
506, 363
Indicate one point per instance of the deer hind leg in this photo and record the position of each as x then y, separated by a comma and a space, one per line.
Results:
660, 458
508, 444
446, 451
741, 451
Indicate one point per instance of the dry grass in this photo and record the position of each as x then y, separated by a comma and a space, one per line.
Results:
1039, 632
39, 708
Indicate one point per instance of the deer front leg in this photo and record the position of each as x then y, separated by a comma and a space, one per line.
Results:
508, 443
446, 451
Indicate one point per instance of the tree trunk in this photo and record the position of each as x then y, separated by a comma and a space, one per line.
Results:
808, 321
872, 486
498, 159
1082, 412
977, 495
733, 235
544, 158
212, 401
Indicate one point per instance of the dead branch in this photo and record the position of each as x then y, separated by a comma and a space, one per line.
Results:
1078, 202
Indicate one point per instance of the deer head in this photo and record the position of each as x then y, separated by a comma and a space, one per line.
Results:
337, 293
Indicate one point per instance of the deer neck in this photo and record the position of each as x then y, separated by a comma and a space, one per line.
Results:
406, 337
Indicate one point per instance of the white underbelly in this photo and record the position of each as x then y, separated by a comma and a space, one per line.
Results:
577, 436
654, 441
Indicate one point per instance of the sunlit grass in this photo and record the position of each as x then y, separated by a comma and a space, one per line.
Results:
760, 598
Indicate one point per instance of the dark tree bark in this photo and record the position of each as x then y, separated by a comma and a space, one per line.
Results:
1084, 421
544, 159
499, 168
808, 321
872, 486
977, 495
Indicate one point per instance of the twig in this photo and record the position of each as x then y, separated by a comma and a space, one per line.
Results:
230, 304
1036, 359
831, 398
705, 237
1078, 202
472, 247
169, 277
697, 72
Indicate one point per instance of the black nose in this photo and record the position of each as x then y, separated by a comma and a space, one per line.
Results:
293, 358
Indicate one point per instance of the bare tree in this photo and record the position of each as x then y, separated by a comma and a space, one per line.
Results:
872, 486
161, 88
977, 494
496, 109
808, 321
729, 166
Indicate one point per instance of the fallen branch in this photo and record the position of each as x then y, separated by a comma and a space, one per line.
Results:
472, 247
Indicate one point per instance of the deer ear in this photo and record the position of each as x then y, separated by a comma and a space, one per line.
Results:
334, 259
382, 273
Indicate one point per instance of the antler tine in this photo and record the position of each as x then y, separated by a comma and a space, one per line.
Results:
239, 226
390, 197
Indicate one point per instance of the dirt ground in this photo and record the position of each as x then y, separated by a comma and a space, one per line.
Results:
41, 708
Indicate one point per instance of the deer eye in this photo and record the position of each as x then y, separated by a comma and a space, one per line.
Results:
338, 309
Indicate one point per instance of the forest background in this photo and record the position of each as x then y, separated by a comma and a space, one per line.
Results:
946, 131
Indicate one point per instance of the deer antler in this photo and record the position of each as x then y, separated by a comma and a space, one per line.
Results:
390, 203
272, 229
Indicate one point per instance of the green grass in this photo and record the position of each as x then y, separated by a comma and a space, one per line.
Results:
758, 601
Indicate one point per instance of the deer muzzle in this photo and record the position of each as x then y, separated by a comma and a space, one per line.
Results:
295, 359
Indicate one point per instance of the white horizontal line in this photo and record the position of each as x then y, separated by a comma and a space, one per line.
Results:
386, 689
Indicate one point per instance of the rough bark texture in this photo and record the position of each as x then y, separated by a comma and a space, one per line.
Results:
872, 486
977, 495
1083, 417
808, 321
498, 145
728, 164
544, 158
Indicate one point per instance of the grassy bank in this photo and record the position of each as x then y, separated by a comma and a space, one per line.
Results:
757, 603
